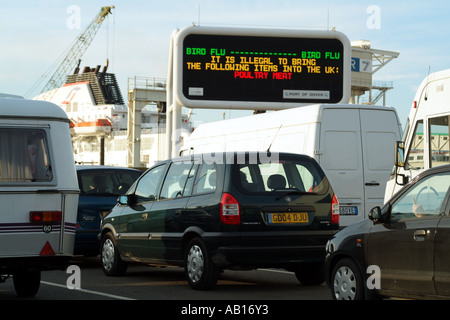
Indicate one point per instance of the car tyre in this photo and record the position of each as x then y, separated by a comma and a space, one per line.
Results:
112, 264
347, 281
200, 271
27, 282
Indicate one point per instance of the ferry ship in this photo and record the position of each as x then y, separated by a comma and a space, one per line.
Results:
100, 120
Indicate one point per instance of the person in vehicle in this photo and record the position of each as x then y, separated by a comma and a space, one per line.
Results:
97, 185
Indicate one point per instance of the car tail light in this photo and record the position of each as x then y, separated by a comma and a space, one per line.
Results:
229, 210
334, 210
45, 216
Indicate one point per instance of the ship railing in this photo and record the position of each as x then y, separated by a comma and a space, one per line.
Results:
140, 82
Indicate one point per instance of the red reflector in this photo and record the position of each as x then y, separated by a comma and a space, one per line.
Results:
47, 250
334, 210
229, 210
45, 216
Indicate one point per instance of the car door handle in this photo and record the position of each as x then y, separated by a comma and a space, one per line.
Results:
372, 184
419, 235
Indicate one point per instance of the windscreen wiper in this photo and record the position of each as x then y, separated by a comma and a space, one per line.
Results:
291, 193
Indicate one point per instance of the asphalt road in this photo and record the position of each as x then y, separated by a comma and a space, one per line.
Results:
168, 284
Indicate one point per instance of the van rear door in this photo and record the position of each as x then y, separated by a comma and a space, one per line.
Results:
379, 130
356, 154
340, 156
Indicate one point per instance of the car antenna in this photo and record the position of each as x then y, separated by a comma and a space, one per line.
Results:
276, 134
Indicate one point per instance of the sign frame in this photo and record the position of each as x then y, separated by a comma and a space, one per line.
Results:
181, 99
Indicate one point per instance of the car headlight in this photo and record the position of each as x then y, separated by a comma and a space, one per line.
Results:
329, 247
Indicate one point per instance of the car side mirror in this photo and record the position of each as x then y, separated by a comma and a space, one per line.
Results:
127, 200
375, 215
123, 200
401, 179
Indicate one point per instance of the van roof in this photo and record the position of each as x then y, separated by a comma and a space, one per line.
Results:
229, 157
286, 117
16, 107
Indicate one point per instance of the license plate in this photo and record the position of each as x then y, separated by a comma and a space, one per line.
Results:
348, 210
88, 217
288, 217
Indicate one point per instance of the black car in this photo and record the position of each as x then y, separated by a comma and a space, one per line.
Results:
402, 250
212, 212
100, 186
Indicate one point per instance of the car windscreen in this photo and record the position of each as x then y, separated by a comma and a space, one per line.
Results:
106, 182
296, 175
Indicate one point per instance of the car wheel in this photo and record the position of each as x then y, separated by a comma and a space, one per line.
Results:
347, 281
310, 274
27, 282
200, 271
112, 264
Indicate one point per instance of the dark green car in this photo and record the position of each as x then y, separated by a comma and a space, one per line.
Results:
211, 212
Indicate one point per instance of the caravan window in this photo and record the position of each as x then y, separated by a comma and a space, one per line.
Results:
24, 155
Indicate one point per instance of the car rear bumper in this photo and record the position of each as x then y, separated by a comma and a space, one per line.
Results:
87, 242
267, 249
253, 257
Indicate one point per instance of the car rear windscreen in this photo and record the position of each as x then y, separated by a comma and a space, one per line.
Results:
282, 175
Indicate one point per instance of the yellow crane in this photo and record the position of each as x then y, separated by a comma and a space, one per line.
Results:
73, 57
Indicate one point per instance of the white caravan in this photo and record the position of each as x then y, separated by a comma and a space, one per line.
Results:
426, 135
38, 191
352, 144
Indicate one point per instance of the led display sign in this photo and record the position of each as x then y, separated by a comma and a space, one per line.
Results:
255, 68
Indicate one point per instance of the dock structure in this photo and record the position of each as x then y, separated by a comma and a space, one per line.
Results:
142, 91
366, 61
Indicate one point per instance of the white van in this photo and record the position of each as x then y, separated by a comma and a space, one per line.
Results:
38, 191
352, 144
426, 135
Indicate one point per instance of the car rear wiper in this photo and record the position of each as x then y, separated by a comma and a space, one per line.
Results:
292, 192
102, 194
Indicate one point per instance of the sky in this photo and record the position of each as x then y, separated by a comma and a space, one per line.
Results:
136, 37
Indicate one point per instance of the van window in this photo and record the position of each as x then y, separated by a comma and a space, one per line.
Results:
415, 156
24, 156
439, 144
175, 180
279, 176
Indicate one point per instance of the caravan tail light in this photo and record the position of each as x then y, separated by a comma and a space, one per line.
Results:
334, 210
45, 216
229, 210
